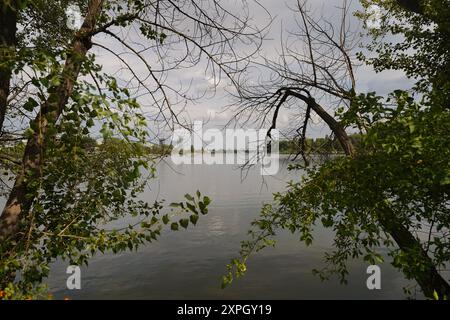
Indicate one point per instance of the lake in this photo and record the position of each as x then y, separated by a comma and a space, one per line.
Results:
188, 264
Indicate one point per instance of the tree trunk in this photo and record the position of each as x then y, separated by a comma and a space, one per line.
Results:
22, 196
429, 279
8, 28
334, 125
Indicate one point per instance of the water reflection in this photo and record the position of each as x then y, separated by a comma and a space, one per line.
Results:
188, 264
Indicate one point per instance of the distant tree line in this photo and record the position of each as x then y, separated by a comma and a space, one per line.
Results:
325, 145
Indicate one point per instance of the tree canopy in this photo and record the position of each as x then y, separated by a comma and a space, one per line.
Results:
66, 196
392, 190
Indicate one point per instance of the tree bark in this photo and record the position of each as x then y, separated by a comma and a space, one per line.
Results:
8, 28
19, 201
332, 123
429, 279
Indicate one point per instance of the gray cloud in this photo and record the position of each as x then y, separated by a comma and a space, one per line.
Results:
211, 106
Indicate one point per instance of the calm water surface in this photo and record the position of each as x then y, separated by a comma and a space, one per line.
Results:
188, 264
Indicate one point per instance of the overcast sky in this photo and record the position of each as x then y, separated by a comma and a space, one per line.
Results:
211, 107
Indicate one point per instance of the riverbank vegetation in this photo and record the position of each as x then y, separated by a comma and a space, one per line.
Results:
61, 189
391, 190
388, 186
326, 145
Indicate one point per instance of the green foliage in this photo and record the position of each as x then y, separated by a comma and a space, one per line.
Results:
404, 165
13, 292
326, 145
417, 44
84, 197
84, 190
400, 173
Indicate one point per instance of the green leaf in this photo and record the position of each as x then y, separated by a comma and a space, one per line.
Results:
435, 295
175, 204
30, 104
445, 181
90, 122
174, 226
191, 207
203, 208
206, 200
194, 219
184, 223
28, 133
